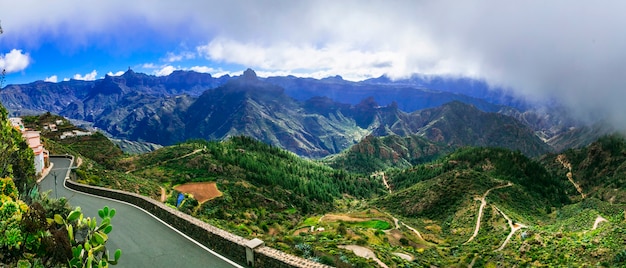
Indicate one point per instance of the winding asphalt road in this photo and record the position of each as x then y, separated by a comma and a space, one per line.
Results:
144, 240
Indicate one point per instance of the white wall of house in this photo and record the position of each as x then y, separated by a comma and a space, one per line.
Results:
39, 163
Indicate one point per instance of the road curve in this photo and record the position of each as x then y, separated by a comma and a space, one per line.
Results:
145, 241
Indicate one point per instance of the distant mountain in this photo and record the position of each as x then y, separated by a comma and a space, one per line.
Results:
580, 136
459, 85
459, 124
408, 97
40, 96
147, 108
311, 117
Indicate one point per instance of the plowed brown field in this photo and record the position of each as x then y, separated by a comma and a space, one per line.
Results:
201, 191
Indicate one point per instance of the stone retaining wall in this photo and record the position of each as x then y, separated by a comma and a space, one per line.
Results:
218, 240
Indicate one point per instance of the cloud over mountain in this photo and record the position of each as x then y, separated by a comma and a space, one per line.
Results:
87, 77
570, 51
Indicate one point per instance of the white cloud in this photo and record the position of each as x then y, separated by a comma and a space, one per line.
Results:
115, 74
165, 70
66, 79
173, 57
149, 66
87, 77
52, 79
333, 59
203, 69
14, 61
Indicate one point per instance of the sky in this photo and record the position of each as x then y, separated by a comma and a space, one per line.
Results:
573, 51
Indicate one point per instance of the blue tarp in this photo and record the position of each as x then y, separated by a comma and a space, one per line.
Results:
181, 197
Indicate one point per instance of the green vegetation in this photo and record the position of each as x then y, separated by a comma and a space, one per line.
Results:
36, 235
32, 232
312, 210
497, 163
16, 158
598, 168
94, 173
89, 250
245, 166
374, 224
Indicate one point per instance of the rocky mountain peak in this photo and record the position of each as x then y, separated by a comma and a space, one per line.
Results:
249, 75
129, 73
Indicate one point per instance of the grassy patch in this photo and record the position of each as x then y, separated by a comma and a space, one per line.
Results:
374, 224
291, 211
310, 221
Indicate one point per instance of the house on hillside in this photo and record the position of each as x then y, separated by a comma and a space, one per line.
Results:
75, 133
50, 126
33, 138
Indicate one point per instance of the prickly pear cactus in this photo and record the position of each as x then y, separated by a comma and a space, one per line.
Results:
88, 238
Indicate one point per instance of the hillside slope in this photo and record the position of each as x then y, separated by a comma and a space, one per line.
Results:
597, 169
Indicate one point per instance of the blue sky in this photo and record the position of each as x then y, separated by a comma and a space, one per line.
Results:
572, 50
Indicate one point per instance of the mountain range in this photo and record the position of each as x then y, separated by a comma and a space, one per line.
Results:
310, 117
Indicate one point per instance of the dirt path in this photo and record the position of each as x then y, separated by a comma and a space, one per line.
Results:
599, 219
163, 194
364, 253
514, 228
403, 255
397, 223
483, 203
473, 262
163, 162
414, 231
382, 174
566, 164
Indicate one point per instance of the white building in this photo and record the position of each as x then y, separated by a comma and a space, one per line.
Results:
74, 133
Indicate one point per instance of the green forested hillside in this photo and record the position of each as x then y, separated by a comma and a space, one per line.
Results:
599, 169
278, 174
445, 191
498, 163
429, 213
442, 200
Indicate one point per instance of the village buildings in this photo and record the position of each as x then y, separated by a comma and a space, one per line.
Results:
33, 139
